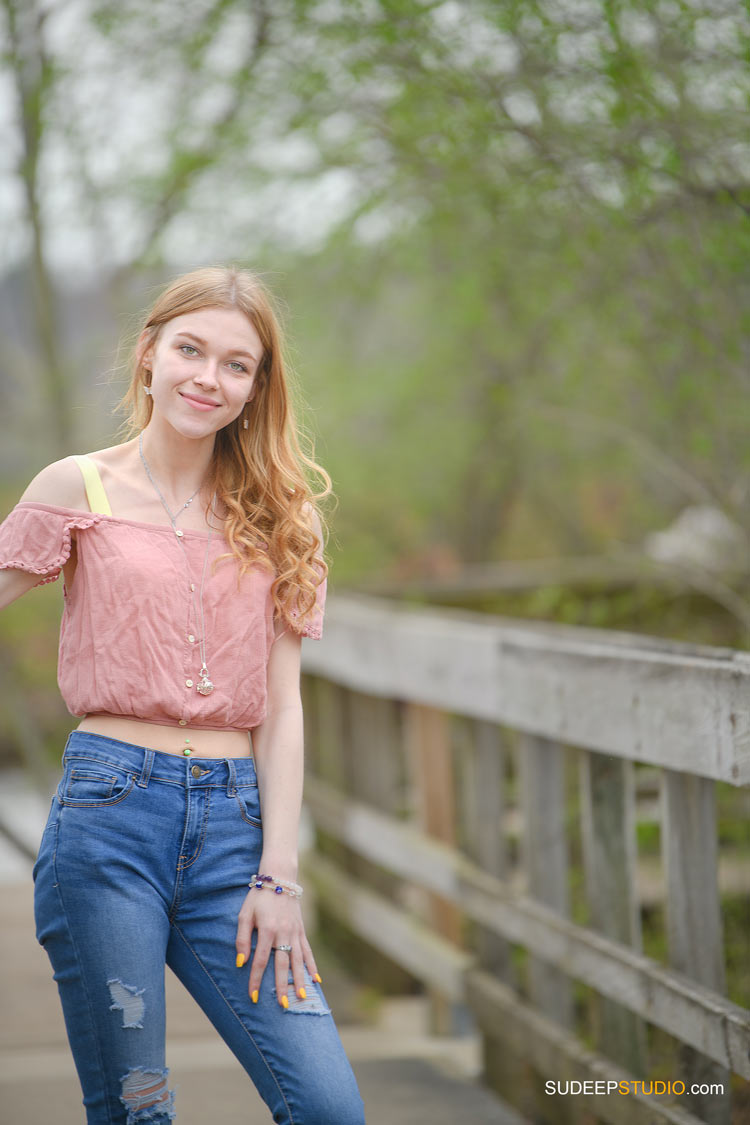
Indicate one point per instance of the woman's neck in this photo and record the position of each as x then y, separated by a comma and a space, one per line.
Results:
178, 464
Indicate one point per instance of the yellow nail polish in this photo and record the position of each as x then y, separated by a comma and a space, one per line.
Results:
285, 1001
302, 994
240, 960
254, 997
318, 979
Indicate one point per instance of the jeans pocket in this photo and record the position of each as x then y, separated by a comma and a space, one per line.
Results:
248, 799
87, 784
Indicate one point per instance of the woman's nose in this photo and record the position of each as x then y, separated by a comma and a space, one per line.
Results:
208, 374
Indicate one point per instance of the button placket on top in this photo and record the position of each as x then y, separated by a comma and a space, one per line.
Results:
187, 647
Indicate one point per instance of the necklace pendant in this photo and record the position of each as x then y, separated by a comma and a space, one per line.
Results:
204, 685
179, 533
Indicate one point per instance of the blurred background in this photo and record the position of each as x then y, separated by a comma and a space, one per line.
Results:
511, 242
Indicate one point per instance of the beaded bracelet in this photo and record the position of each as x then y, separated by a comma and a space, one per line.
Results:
279, 886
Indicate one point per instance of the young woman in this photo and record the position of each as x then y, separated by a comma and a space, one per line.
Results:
193, 566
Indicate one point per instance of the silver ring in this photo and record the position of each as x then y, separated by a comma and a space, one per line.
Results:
283, 948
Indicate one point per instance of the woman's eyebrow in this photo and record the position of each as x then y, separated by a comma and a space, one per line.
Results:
202, 342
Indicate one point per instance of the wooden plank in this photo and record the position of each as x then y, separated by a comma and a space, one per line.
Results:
694, 929
609, 859
545, 860
408, 942
483, 811
689, 1011
679, 706
482, 753
328, 734
430, 759
557, 1053
550, 1049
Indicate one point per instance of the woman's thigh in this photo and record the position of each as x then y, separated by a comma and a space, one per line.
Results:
294, 1056
102, 920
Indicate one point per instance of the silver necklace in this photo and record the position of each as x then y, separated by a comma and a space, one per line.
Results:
204, 685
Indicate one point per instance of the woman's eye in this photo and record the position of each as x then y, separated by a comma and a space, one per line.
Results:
237, 366
188, 349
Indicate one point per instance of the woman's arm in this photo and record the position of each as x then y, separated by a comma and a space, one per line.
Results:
58, 484
278, 753
14, 584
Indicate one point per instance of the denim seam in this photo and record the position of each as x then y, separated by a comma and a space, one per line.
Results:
79, 803
113, 763
202, 840
90, 776
256, 822
174, 905
100, 760
84, 983
240, 1021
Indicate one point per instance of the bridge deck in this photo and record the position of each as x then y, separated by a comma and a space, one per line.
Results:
406, 1076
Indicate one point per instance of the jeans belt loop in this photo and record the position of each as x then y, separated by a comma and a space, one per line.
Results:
232, 783
148, 762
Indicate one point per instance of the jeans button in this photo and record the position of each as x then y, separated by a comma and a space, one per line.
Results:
196, 771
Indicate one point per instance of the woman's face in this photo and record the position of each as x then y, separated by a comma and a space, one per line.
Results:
203, 369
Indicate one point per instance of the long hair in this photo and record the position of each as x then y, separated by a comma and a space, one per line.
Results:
257, 473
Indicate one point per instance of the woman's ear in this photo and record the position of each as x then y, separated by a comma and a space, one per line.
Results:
144, 349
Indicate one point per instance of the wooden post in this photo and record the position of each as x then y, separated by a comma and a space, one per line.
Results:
694, 930
609, 857
545, 859
374, 771
544, 850
328, 737
483, 812
429, 754
376, 764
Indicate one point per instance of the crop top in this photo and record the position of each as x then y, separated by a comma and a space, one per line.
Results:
129, 638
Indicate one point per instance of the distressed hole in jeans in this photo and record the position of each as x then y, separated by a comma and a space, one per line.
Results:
145, 1095
313, 1005
128, 999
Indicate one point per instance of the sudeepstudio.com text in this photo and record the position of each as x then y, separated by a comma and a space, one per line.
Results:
657, 1087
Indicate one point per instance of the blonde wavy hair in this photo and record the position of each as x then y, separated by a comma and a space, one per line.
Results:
257, 473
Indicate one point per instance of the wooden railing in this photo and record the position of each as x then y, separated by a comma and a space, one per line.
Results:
464, 771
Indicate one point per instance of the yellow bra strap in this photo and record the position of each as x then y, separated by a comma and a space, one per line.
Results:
95, 493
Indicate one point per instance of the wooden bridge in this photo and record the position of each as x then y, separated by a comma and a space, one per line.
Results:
476, 784
484, 793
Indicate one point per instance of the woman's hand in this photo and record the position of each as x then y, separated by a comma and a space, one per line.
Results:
278, 920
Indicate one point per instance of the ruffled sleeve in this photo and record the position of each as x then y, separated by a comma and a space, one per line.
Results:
36, 538
313, 626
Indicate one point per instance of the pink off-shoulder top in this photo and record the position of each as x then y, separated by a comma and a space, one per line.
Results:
129, 641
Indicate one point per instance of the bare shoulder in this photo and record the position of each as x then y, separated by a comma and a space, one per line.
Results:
312, 515
59, 484
310, 512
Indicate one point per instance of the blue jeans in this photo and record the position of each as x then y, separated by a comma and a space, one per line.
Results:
145, 860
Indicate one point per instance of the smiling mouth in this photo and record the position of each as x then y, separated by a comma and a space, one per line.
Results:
198, 403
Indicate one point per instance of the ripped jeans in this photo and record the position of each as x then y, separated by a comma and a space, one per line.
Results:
145, 860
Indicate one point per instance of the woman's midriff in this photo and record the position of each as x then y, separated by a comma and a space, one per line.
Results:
170, 740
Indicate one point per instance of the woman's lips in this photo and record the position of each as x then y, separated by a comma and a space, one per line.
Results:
198, 403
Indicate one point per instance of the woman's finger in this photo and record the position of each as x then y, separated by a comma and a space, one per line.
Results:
260, 960
281, 959
298, 970
309, 960
243, 940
